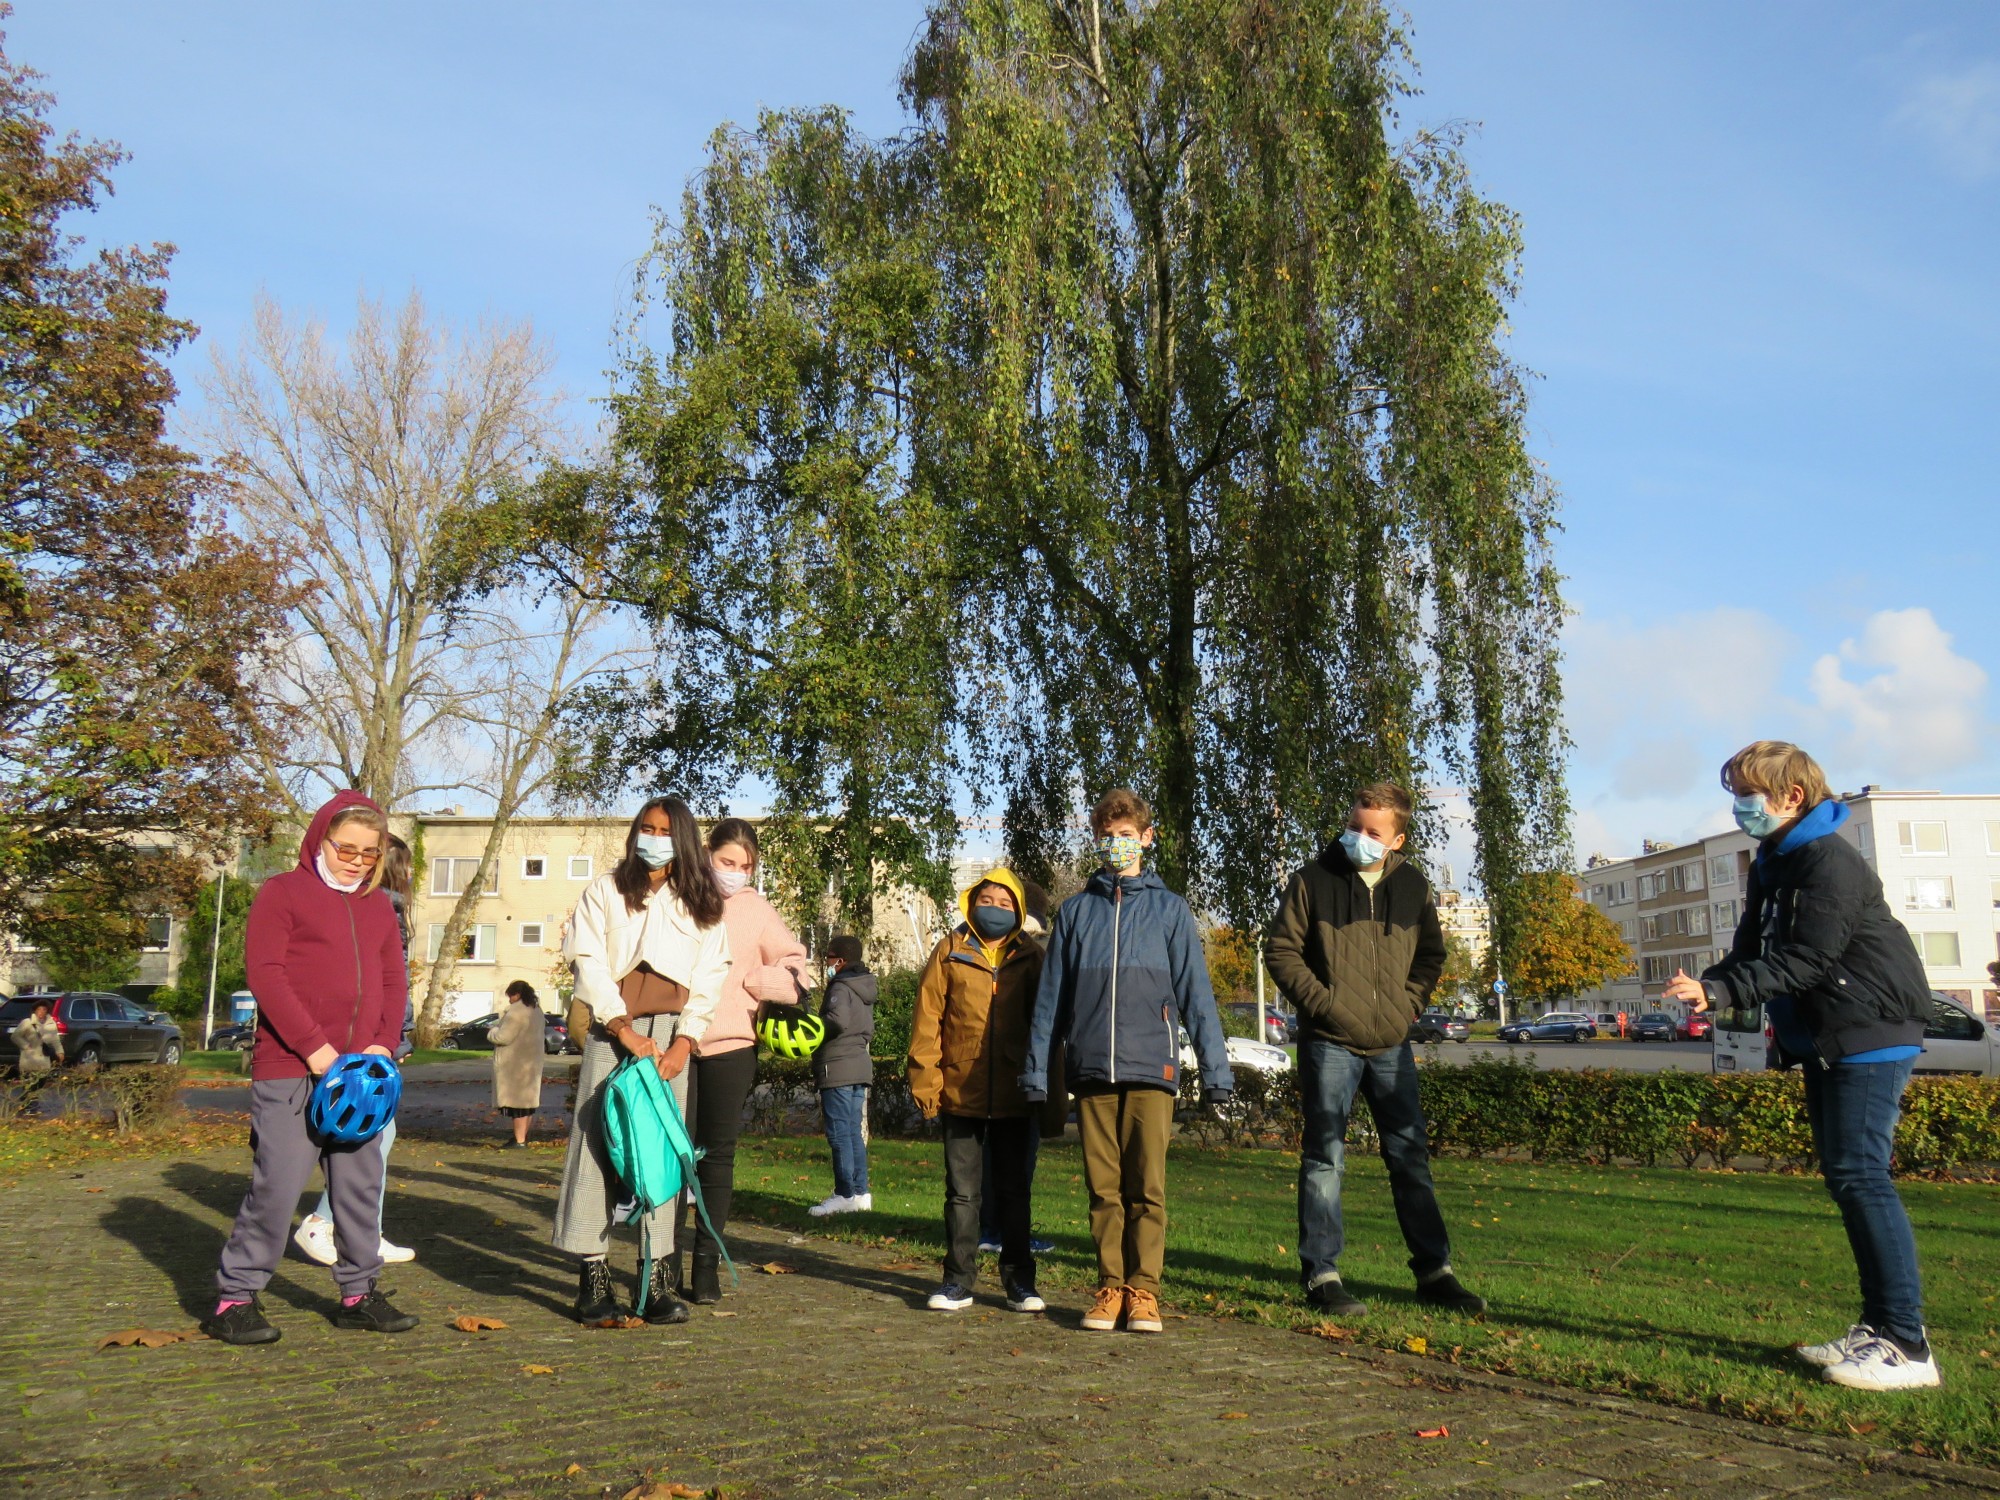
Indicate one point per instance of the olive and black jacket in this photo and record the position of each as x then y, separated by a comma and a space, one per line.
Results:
1358, 965
1816, 929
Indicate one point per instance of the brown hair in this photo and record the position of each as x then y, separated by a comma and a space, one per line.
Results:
367, 817
688, 873
524, 992
1387, 796
398, 868
734, 831
1774, 767
1120, 804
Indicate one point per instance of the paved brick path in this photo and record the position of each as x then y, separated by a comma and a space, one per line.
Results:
827, 1382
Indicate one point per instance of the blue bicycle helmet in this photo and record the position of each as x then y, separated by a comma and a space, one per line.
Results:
353, 1099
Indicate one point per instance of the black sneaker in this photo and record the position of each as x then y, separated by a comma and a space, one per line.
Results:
374, 1313
663, 1305
1022, 1298
244, 1323
596, 1298
1334, 1299
707, 1285
1446, 1291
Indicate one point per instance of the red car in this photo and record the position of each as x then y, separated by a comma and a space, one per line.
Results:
1695, 1028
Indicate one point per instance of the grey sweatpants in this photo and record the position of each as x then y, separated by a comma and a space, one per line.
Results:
590, 1189
282, 1157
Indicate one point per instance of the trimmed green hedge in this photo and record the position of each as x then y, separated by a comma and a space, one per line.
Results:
1495, 1106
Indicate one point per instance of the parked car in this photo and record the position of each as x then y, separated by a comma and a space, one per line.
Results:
476, 1035
1556, 1026
1439, 1026
1694, 1028
1655, 1026
1956, 1041
232, 1038
1244, 1052
95, 1027
1279, 1028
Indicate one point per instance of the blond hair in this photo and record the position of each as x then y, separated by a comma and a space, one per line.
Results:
367, 817
1772, 768
1120, 804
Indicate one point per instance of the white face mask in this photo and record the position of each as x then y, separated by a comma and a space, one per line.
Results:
326, 874
654, 849
1364, 851
729, 882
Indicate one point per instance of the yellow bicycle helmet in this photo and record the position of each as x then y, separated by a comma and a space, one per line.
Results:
790, 1030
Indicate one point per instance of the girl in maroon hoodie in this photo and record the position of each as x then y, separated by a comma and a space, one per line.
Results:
325, 961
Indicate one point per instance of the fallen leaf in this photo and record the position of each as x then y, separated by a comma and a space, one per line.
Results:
657, 1489
776, 1268
1417, 1344
1235, 1416
1100, 1400
1433, 1432
147, 1338
1332, 1331
427, 1424
626, 1321
719, 1313
1861, 1429
537, 1370
1015, 1352
573, 1469
476, 1323
907, 1265
93, 1190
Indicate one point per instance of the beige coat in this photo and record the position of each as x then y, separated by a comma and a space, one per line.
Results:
518, 1040
607, 942
40, 1044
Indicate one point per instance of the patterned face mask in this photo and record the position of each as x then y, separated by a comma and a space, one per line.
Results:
1119, 850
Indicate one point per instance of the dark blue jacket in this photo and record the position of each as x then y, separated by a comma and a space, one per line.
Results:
1124, 972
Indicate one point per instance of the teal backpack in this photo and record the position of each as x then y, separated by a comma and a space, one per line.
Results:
648, 1146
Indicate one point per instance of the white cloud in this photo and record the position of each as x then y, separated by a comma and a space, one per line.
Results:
1958, 112
1921, 713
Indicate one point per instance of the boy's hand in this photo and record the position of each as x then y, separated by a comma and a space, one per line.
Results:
323, 1057
1687, 990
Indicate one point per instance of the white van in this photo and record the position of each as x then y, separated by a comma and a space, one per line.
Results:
1955, 1041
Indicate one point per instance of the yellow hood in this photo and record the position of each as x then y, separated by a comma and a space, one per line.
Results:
1010, 881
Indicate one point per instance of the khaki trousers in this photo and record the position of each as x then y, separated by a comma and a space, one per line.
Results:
1124, 1131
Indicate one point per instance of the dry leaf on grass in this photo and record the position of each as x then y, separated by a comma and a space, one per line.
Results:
719, 1313
93, 1190
572, 1471
660, 1489
777, 1268
625, 1321
1100, 1400
476, 1323
907, 1265
1235, 1416
147, 1338
1861, 1429
537, 1370
1332, 1331
1417, 1344
1433, 1432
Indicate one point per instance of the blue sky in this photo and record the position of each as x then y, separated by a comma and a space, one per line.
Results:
1760, 292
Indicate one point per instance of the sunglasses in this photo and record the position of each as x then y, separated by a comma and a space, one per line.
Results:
354, 853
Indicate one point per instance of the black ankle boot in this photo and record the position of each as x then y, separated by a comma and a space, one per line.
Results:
596, 1298
663, 1303
707, 1285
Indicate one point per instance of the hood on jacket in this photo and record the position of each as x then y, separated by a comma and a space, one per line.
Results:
1008, 881
1829, 817
322, 820
1105, 882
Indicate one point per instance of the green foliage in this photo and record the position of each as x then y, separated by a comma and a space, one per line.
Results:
1232, 966
87, 943
895, 1007
1562, 944
188, 996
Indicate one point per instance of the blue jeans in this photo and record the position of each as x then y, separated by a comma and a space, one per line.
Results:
844, 1107
1853, 1109
1329, 1078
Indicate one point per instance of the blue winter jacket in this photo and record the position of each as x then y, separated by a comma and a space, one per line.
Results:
1123, 973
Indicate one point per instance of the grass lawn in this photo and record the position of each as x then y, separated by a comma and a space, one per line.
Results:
207, 1064
1675, 1286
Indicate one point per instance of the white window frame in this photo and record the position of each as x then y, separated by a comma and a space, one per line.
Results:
1906, 838
539, 939
445, 866
1923, 941
1698, 921
148, 946
580, 859
1993, 836
535, 859
1722, 870
1913, 895
1693, 877
481, 935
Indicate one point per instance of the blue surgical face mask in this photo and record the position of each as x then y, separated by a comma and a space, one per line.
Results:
654, 849
1118, 850
1364, 851
1755, 818
992, 921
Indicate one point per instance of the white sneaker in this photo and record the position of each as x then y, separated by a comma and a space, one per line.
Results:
834, 1204
1833, 1351
396, 1254
314, 1237
860, 1203
1877, 1364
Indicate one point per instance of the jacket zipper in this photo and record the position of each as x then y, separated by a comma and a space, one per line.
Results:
1117, 909
354, 933
992, 1000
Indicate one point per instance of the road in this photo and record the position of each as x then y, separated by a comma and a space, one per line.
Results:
1628, 1057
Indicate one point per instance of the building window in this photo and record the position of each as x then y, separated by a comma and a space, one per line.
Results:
1650, 927
1928, 893
1993, 838
449, 877
159, 934
579, 867
1690, 877
1922, 838
1725, 916
1939, 949
531, 934
1698, 921
480, 942
1629, 930
1645, 887
1599, 896
534, 867
1722, 870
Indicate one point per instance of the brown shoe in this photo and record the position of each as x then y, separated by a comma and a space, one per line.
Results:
1103, 1314
1142, 1311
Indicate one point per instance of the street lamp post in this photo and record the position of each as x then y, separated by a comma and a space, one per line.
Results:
214, 953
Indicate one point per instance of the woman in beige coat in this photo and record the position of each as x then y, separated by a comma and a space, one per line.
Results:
518, 1040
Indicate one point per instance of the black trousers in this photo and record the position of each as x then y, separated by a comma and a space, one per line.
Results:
966, 1141
718, 1088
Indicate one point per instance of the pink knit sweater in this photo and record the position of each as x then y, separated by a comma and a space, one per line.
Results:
766, 963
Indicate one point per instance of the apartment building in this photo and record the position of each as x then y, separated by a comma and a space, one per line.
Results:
1938, 857
541, 869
